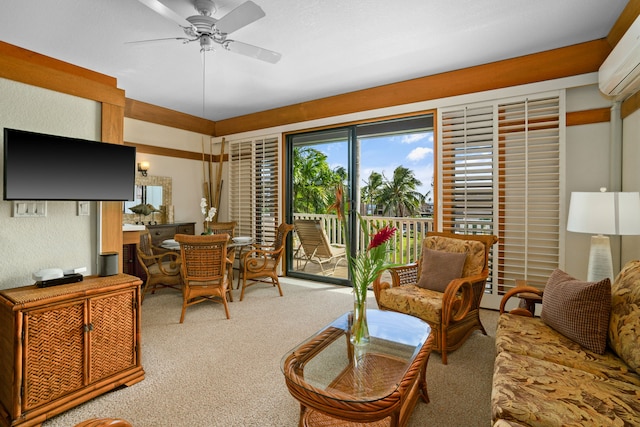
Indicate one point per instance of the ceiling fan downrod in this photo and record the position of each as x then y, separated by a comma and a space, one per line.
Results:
205, 7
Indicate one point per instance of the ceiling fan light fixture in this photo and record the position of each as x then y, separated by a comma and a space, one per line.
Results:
206, 44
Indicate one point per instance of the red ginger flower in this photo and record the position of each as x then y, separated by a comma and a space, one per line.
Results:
338, 206
382, 236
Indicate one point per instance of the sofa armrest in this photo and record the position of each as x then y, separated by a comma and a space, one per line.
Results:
517, 290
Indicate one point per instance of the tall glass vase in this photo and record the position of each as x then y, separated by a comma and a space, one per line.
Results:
359, 327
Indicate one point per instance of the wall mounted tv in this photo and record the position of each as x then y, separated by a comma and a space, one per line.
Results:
48, 167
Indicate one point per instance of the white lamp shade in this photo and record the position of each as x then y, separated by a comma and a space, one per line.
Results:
610, 213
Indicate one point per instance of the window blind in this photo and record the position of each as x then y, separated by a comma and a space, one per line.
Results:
530, 187
501, 174
254, 188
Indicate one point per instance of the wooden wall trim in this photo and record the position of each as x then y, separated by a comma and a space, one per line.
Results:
31, 68
557, 63
624, 21
163, 116
113, 132
585, 117
171, 152
630, 105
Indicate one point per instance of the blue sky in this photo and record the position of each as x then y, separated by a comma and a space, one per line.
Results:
384, 154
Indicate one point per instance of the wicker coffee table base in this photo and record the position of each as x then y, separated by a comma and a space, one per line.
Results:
337, 407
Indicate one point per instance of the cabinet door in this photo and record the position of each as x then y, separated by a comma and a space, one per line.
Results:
54, 353
112, 336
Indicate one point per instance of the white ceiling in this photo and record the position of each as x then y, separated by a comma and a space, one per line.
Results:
328, 47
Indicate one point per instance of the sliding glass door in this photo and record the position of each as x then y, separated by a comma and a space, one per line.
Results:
386, 167
318, 162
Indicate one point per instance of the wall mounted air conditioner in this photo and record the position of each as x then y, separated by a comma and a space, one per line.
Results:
619, 74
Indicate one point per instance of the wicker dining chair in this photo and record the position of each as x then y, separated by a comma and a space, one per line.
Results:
261, 262
229, 228
204, 270
161, 266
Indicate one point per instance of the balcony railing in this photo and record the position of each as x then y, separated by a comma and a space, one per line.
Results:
405, 245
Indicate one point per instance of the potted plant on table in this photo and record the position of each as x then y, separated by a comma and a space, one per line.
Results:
209, 213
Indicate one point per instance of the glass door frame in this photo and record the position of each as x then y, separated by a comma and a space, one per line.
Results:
351, 192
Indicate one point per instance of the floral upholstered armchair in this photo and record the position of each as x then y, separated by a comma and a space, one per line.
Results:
444, 287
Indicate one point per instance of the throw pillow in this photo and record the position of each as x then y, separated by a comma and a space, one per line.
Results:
578, 310
439, 268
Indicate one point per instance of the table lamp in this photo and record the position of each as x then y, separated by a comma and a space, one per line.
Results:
603, 213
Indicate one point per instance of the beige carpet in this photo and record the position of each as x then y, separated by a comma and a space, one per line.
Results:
210, 371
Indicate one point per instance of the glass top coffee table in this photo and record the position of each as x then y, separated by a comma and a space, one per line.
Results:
379, 383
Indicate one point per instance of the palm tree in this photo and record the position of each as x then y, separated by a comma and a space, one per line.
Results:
399, 196
371, 192
313, 180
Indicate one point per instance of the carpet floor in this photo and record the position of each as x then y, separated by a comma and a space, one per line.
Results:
210, 371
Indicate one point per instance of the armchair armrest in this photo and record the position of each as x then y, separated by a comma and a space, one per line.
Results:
460, 297
521, 288
172, 257
257, 260
402, 275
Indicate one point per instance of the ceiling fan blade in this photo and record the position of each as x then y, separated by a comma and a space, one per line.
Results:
163, 10
242, 15
182, 39
252, 51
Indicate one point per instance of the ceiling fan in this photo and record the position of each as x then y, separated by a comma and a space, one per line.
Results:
209, 31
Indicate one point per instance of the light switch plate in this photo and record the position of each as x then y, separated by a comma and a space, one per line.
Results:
84, 208
27, 208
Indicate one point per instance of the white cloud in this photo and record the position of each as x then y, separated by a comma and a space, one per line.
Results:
419, 153
417, 137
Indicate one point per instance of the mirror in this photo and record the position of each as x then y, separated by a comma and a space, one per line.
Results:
151, 192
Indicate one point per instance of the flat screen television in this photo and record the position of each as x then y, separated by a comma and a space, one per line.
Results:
48, 167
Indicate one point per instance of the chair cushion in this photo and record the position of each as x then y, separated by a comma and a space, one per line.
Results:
169, 267
578, 310
473, 248
415, 301
624, 325
439, 268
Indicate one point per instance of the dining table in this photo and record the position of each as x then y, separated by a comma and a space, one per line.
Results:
239, 243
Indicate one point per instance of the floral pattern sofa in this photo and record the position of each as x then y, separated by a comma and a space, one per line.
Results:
543, 378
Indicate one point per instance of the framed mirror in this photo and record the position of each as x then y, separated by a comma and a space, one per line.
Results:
155, 192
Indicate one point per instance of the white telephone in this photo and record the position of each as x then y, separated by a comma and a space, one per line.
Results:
47, 274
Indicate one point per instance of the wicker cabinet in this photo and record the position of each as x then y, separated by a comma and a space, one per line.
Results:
64, 345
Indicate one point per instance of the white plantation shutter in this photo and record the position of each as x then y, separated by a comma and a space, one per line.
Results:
467, 186
501, 174
530, 187
254, 188
467, 170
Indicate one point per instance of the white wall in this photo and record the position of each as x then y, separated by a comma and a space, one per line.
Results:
587, 169
631, 176
61, 239
187, 175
